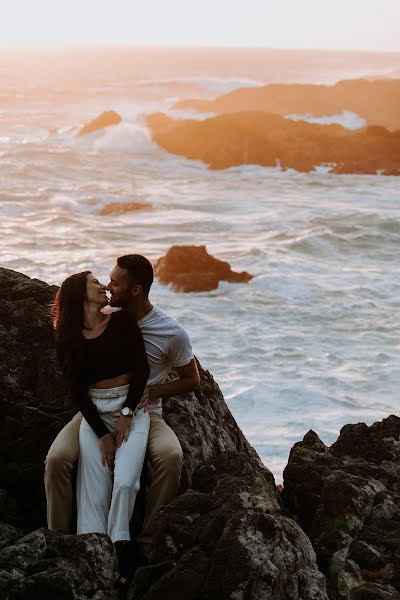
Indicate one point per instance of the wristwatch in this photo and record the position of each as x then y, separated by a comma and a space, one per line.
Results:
126, 411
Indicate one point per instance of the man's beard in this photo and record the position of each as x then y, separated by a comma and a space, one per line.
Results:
121, 302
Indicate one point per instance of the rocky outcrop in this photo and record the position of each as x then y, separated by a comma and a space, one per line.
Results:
32, 397
347, 498
224, 536
119, 208
375, 101
269, 140
222, 539
192, 269
105, 119
46, 565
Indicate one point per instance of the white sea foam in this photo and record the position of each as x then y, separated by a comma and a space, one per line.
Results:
225, 85
189, 114
324, 168
347, 119
318, 316
311, 341
216, 85
125, 136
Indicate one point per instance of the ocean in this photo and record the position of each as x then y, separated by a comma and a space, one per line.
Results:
312, 342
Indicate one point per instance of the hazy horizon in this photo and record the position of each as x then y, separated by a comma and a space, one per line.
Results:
121, 45
234, 23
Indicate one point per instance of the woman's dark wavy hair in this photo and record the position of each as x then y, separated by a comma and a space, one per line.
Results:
67, 317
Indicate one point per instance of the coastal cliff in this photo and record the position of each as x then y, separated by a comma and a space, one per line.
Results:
226, 534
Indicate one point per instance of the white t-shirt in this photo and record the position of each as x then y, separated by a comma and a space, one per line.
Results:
167, 345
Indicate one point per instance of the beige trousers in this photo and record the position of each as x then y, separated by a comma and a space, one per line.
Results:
165, 454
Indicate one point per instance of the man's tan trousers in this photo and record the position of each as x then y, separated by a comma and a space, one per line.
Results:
164, 451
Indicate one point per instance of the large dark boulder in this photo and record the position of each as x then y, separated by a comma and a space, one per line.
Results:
270, 140
224, 537
347, 498
33, 404
107, 118
47, 566
192, 269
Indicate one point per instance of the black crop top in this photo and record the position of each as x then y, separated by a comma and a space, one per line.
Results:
117, 350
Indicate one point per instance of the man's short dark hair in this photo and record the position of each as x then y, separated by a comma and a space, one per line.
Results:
140, 270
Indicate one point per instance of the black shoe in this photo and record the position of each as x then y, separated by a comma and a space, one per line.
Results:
124, 551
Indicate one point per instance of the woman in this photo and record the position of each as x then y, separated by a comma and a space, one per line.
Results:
104, 359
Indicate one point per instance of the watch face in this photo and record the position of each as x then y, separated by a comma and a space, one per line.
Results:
125, 411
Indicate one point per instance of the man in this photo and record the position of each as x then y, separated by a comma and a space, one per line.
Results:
167, 345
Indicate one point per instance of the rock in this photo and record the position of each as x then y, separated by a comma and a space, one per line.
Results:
226, 540
33, 397
105, 119
377, 130
376, 101
119, 208
8, 535
45, 564
270, 140
347, 498
192, 269
223, 537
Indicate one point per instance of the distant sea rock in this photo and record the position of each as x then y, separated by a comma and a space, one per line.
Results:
192, 269
119, 208
105, 119
270, 140
224, 536
375, 101
347, 499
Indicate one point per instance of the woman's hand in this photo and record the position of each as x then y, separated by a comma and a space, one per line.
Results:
122, 430
107, 448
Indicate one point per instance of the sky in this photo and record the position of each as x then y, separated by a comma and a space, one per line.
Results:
331, 24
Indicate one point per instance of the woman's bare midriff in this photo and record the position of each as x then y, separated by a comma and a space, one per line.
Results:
112, 382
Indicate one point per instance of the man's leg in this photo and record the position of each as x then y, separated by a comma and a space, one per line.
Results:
166, 457
59, 465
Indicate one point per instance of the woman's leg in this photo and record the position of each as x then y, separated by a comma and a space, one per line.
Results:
94, 484
128, 467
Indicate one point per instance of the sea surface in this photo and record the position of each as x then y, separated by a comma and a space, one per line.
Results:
313, 340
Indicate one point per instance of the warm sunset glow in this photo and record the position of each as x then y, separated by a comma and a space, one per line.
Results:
340, 24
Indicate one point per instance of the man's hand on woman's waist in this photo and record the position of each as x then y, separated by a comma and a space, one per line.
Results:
187, 381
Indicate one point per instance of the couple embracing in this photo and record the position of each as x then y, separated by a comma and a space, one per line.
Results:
116, 365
